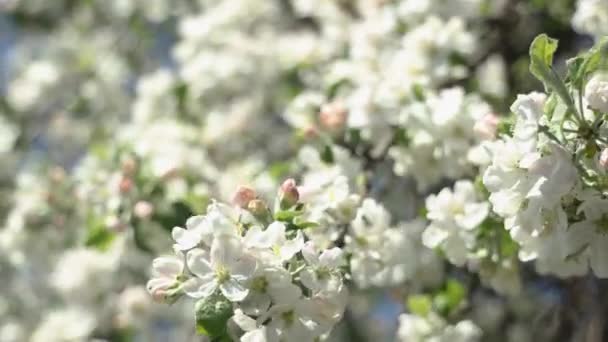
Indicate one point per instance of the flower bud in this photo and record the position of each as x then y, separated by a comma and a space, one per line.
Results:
288, 194
143, 209
129, 165
596, 92
604, 158
258, 208
486, 127
125, 185
333, 116
243, 196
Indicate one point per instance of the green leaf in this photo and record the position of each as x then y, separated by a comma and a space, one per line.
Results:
212, 314
327, 155
541, 52
401, 138
279, 170
505, 125
448, 300
286, 215
585, 64
301, 224
418, 91
541, 59
420, 305
98, 236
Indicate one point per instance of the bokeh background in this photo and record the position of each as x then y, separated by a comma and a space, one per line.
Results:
210, 90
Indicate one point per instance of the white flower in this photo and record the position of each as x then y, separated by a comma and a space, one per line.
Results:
269, 285
591, 17
323, 270
165, 274
226, 267
186, 239
588, 239
433, 328
272, 243
454, 217
254, 331
77, 269
219, 220
291, 321
596, 92
133, 306
9, 133
70, 324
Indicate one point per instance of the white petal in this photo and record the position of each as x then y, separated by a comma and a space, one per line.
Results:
194, 221
233, 290
243, 321
291, 247
185, 239
309, 279
200, 288
284, 295
456, 250
258, 335
474, 214
276, 232
167, 266
225, 250
198, 262
332, 258
309, 252
257, 238
243, 268
433, 236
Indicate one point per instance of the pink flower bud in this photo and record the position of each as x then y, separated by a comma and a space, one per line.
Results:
125, 185
243, 196
486, 127
288, 194
604, 158
143, 209
333, 115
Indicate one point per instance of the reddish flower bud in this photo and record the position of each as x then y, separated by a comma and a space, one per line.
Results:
288, 194
143, 209
243, 196
125, 185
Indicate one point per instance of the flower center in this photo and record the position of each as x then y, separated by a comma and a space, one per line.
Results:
222, 274
259, 284
288, 317
322, 272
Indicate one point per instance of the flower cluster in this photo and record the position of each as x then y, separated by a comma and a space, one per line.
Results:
157, 110
280, 285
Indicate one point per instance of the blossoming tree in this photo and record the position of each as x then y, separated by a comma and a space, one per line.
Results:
303, 170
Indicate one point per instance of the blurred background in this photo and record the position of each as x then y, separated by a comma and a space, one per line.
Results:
119, 119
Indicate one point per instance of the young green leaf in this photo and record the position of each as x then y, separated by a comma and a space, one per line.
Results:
212, 314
